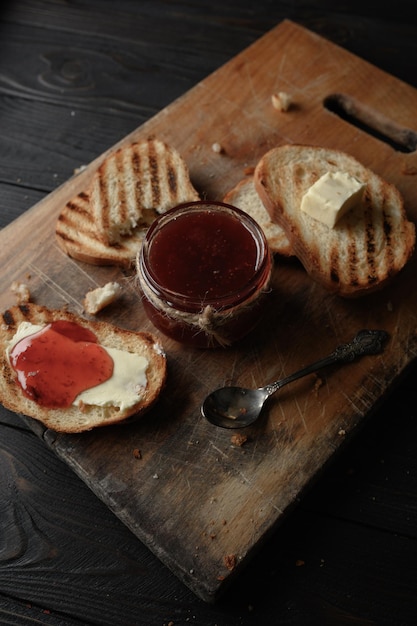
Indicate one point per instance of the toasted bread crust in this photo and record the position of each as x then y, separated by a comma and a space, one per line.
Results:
244, 196
366, 248
72, 419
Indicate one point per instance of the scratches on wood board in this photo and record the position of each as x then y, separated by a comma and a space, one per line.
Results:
56, 287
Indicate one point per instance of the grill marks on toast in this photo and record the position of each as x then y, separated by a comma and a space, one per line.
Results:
80, 205
110, 198
134, 185
367, 246
106, 223
17, 314
367, 254
76, 214
162, 181
155, 176
9, 319
77, 236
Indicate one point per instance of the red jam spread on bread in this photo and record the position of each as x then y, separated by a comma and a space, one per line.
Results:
208, 255
55, 364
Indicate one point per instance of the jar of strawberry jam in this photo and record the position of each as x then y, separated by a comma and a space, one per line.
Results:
204, 269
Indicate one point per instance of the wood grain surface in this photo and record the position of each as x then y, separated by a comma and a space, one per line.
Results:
201, 503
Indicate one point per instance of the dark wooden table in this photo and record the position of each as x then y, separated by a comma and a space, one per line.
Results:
75, 78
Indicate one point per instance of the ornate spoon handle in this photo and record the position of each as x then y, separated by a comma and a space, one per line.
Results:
365, 342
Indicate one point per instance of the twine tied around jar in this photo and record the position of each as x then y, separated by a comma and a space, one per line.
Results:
209, 320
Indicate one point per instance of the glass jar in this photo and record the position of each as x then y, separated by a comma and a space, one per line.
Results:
204, 269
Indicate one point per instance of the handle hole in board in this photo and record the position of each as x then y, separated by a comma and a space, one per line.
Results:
372, 122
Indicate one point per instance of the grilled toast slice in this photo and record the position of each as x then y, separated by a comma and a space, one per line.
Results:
367, 246
76, 235
75, 419
244, 196
136, 183
106, 223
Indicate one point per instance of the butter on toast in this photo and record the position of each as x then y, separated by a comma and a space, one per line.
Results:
365, 249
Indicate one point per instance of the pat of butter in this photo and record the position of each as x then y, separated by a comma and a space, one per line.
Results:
331, 196
124, 387
121, 390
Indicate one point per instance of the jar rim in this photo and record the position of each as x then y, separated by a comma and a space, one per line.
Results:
185, 302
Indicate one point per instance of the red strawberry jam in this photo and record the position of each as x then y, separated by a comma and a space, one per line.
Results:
55, 364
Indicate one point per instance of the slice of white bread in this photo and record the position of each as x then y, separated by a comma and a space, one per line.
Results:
364, 250
73, 419
76, 235
132, 186
244, 196
136, 183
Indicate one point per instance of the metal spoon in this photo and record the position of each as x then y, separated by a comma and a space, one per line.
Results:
236, 407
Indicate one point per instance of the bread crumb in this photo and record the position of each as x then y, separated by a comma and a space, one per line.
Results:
21, 291
159, 349
342, 432
409, 170
281, 101
317, 384
96, 299
137, 453
239, 439
217, 147
230, 561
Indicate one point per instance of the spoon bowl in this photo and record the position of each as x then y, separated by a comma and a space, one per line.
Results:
234, 407
237, 407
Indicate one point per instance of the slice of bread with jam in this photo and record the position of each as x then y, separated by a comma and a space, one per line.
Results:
115, 403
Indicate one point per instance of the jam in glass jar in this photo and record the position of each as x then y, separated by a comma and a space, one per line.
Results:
204, 269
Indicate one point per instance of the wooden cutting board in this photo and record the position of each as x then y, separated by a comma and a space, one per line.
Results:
200, 502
